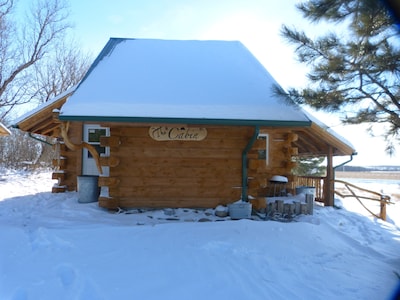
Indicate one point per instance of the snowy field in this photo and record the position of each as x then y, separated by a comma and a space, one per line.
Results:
53, 247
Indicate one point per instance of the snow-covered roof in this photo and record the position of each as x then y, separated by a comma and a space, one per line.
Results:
160, 80
182, 82
43, 106
330, 131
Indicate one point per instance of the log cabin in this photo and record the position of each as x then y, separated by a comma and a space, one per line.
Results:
174, 123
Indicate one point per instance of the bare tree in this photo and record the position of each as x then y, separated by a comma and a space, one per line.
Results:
24, 43
62, 70
37, 63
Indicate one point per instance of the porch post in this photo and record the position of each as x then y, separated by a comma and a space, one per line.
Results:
329, 187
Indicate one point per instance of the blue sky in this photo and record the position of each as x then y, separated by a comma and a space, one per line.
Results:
256, 23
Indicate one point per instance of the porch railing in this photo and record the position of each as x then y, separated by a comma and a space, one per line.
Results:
345, 190
353, 191
311, 181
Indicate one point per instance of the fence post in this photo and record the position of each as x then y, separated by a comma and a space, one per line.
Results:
310, 203
329, 187
383, 208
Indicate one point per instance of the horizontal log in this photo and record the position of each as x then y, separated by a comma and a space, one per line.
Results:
292, 137
174, 192
253, 184
109, 161
58, 175
110, 141
207, 143
59, 189
174, 162
109, 203
259, 203
178, 172
255, 164
177, 202
108, 181
59, 162
178, 183
158, 152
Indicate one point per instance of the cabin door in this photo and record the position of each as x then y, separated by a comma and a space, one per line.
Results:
91, 135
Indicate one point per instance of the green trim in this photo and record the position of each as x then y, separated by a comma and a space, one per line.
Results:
244, 163
108, 48
230, 122
39, 140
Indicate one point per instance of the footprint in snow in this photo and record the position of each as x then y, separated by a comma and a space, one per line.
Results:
67, 275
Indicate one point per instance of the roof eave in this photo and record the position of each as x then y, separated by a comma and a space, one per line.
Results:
4, 131
344, 147
199, 121
23, 122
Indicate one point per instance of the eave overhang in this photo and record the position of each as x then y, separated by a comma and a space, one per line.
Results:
4, 130
199, 121
42, 120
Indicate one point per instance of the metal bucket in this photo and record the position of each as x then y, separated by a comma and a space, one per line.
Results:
240, 210
305, 190
88, 188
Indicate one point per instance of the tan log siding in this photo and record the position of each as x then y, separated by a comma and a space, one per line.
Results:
177, 173
280, 152
149, 173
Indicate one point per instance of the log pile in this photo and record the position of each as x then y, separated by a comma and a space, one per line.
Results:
280, 209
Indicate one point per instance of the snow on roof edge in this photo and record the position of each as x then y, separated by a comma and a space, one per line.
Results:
106, 51
329, 130
43, 106
181, 120
4, 129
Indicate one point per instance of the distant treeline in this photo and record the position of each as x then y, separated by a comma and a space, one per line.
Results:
367, 169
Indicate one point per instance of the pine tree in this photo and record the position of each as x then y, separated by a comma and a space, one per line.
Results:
355, 71
310, 166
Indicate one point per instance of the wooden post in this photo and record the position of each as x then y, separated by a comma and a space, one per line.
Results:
329, 182
297, 209
383, 208
291, 209
279, 206
303, 208
286, 210
310, 203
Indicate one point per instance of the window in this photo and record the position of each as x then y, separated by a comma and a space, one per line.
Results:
264, 153
94, 135
91, 135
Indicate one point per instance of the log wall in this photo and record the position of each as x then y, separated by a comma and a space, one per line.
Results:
280, 162
149, 173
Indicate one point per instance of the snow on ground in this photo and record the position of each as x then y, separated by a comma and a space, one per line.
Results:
53, 247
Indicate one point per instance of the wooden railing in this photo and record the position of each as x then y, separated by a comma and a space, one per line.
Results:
364, 194
311, 181
348, 191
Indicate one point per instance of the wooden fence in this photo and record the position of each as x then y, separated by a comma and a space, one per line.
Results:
311, 181
352, 191
345, 190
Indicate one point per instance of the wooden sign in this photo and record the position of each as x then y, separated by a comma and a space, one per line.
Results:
163, 133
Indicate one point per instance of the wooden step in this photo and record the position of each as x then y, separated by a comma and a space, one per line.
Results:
60, 175
59, 188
